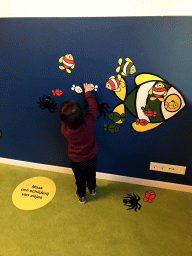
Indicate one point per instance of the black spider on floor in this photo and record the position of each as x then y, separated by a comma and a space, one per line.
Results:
101, 108
47, 104
133, 202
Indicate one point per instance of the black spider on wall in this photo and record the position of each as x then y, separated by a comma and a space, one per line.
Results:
101, 108
47, 104
133, 200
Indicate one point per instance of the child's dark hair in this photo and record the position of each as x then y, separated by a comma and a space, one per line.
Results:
71, 114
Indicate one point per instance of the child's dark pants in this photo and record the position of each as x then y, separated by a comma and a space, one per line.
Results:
85, 172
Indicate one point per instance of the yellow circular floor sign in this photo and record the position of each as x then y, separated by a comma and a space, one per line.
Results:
34, 193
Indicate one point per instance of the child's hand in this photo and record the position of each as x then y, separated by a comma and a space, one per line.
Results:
87, 87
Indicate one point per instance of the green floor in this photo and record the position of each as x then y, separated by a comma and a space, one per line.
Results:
101, 227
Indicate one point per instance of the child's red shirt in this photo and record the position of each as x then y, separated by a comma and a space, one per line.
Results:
82, 144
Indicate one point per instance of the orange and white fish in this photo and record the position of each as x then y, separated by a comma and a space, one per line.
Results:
113, 83
68, 62
158, 91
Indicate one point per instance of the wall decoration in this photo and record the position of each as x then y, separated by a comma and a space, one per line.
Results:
77, 88
133, 200
68, 62
94, 87
152, 102
150, 194
47, 103
126, 67
33, 193
116, 117
115, 83
101, 108
111, 128
158, 91
57, 92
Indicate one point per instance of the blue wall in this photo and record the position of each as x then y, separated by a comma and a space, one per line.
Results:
30, 49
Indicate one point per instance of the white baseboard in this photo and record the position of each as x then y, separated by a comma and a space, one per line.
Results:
100, 175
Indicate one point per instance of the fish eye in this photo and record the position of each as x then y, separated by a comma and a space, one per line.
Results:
69, 56
133, 69
159, 85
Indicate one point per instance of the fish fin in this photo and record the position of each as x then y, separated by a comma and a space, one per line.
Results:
111, 77
120, 109
119, 77
144, 128
61, 67
151, 91
123, 74
128, 60
105, 127
161, 99
165, 93
122, 93
117, 90
122, 82
143, 78
73, 66
120, 61
118, 69
68, 70
61, 59
153, 98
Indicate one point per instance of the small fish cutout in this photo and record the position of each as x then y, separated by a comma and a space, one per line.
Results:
94, 87
142, 122
115, 117
150, 113
158, 91
77, 88
111, 128
126, 67
150, 194
68, 62
115, 83
57, 92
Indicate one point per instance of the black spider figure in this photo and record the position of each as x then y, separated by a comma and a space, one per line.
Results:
47, 104
101, 108
133, 202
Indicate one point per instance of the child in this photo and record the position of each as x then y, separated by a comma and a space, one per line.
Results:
82, 146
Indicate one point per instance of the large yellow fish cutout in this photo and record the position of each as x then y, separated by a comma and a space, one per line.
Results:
145, 104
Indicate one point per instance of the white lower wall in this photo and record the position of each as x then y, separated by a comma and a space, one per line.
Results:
100, 175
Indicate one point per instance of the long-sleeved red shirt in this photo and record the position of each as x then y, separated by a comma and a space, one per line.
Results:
82, 144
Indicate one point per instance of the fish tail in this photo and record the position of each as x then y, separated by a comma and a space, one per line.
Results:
105, 127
